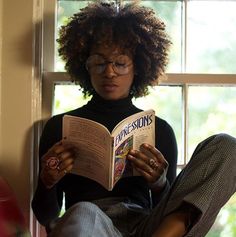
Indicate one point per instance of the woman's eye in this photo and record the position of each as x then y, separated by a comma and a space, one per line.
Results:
100, 64
117, 64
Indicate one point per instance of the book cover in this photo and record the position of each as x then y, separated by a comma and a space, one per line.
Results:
101, 155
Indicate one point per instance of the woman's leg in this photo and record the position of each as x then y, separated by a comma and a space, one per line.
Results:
179, 222
85, 219
206, 184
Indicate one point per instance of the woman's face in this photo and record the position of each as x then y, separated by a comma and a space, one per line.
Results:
111, 74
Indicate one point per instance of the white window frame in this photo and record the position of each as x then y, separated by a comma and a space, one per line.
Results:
50, 78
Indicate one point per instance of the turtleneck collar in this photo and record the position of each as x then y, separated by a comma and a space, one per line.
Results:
100, 104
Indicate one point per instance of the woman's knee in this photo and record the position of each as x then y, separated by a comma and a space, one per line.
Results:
83, 208
226, 139
222, 142
226, 144
78, 220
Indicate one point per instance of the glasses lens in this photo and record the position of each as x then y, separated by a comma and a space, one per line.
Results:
121, 64
97, 64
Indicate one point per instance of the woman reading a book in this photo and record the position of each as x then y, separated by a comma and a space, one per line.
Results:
114, 53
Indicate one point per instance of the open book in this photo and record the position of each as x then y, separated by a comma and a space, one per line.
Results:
102, 155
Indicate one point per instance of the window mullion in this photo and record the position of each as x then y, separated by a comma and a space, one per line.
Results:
185, 123
184, 35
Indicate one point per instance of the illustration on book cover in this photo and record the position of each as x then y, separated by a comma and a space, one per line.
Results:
122, 166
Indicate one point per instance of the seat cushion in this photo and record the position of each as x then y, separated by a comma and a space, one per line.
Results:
12, 222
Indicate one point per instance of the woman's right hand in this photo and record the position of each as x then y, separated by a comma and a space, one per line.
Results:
56, 163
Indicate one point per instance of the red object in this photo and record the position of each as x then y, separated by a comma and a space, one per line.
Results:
12, 222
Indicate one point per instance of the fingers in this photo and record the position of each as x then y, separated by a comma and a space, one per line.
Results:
153, 153
66, 161
59, 148
144, 168
56, 163
149, 162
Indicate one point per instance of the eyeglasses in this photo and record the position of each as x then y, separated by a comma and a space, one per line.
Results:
96, 64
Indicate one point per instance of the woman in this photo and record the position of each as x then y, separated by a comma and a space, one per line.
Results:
114, 54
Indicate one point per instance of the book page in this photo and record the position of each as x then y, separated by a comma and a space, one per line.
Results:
93, 142
130, 134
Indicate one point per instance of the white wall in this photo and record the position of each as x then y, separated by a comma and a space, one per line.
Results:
18, 97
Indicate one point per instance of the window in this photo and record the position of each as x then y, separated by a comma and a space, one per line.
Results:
198, 95
201, 57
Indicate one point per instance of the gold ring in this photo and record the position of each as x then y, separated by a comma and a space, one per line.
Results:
53, 163
153, 164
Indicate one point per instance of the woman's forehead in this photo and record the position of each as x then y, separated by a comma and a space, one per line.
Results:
109, 50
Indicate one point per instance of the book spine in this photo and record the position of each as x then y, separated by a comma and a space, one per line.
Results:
111, 176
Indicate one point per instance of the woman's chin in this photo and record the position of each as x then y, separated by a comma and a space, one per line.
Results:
111, 95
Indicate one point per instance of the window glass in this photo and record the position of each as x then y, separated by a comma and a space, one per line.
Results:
171, 13
168, 11
211, 36
65, 9
225, 225
67, 97
211, 110
161, 98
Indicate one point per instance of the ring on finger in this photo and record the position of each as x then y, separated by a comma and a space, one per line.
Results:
53, 163
153, 164
65, 172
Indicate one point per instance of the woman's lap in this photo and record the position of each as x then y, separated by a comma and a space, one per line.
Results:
207, 183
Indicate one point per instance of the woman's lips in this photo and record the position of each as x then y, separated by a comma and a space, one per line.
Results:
109, 87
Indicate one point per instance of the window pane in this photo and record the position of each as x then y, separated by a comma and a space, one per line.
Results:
65, 9
163, 99
67, 97
211, 36
225, 225
211, 110
169, 12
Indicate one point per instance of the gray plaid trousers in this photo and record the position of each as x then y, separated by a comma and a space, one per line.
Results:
207, 182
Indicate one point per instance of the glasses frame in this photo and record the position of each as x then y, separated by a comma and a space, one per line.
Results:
106, 62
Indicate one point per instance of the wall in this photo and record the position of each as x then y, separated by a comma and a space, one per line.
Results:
17, 97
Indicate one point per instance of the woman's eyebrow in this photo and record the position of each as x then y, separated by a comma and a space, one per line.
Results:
106, 57
111, 54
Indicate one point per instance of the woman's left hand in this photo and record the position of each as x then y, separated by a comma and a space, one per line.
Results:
151, 164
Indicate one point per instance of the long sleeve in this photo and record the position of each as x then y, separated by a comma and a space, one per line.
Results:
166, 143
47, 203
47, 199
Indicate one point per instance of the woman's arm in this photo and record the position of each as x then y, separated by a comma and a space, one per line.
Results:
47, 202
167, 145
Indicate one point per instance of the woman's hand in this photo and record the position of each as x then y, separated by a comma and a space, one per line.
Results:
56, 163
151, 164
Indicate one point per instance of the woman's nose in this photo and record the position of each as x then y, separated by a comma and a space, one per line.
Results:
109, 71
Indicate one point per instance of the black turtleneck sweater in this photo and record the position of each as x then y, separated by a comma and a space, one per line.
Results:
47, 203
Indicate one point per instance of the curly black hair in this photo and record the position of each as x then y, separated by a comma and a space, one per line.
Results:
132, 27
